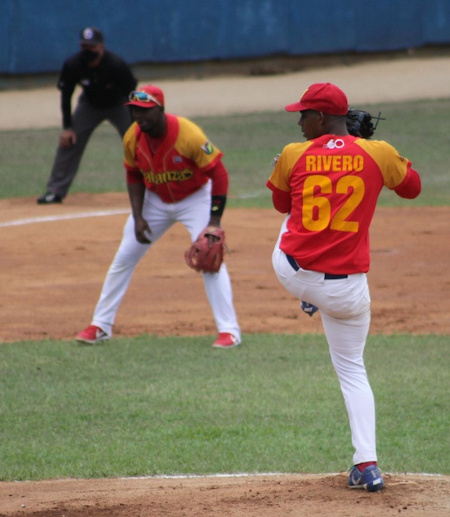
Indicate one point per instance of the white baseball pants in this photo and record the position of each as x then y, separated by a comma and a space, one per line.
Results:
193, 212
345, 310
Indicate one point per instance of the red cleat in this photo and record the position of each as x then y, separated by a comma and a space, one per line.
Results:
92, 335
226, 340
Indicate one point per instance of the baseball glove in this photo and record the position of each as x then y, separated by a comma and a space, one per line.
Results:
206, 253
360, 123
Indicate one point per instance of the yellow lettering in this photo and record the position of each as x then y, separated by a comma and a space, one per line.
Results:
337, 163
316, 211
327, 161
355, 188
347, 163
310, 163
165, 177
358, 163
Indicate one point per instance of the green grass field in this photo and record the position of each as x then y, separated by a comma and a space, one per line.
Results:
250, 141
151, 405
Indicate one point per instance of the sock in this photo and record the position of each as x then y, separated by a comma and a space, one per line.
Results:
362, 466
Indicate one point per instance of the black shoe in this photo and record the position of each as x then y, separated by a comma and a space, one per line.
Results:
48, 198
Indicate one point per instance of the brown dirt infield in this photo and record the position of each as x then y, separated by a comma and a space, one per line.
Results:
51, 274
254, 496
59, 266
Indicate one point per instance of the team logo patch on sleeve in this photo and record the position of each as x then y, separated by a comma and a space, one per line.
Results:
208, 148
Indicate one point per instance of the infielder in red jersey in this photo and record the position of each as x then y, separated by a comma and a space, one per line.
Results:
328, 186
174, 174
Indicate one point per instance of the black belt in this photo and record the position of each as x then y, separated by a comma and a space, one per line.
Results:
327, 276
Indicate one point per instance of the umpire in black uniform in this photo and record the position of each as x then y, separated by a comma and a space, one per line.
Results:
106, 81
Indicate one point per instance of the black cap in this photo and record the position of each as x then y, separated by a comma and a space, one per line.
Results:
91, 36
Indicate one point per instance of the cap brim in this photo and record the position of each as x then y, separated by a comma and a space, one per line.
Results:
141, 104
297, 106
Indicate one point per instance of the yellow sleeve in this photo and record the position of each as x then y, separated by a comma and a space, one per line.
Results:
129, 147
286, 161
392, 165
194, 144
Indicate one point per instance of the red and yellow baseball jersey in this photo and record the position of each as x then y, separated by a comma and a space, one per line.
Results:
183, 162
330, 186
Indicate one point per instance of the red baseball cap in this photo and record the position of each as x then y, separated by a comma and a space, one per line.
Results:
324, 97
146, 97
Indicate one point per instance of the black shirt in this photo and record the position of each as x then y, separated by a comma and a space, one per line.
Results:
104, 86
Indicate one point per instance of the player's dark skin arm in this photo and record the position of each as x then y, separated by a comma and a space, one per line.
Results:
214, 220
142, 230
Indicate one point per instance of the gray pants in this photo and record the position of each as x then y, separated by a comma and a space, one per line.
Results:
84, 120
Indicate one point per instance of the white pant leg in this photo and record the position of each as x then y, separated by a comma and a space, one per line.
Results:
194, 213
345, 310
126, 259
346, 339
220, 296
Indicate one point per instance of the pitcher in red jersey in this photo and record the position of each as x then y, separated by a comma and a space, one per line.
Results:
328, 186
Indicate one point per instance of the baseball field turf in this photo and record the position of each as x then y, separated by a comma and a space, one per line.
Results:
161, 405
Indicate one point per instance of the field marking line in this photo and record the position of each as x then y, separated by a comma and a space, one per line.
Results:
268, 474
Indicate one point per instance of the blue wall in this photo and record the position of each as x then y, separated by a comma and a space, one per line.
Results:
37, 35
